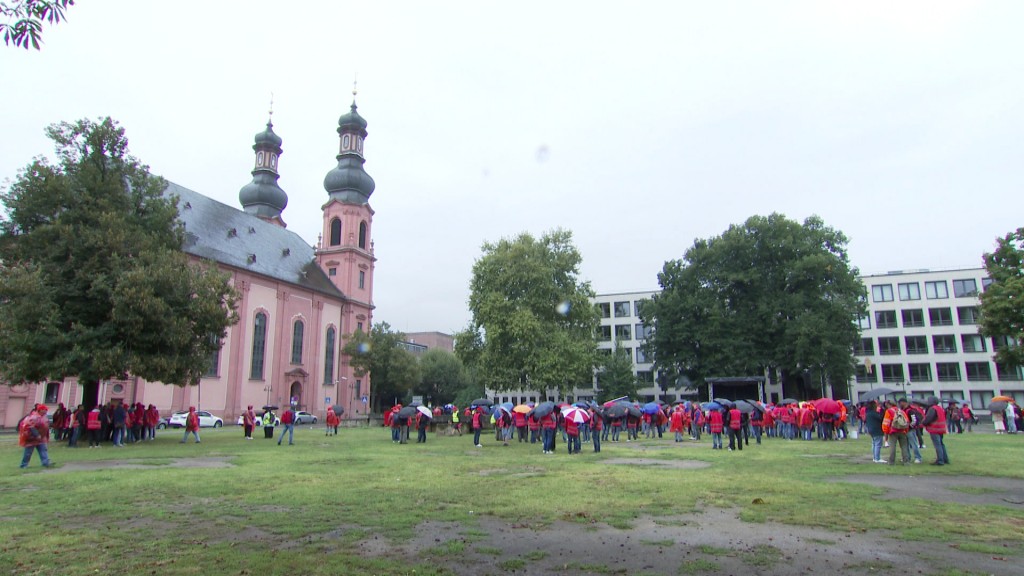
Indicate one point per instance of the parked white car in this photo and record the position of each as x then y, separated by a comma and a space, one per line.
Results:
206, 420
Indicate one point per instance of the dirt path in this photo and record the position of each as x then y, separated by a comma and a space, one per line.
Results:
959, 489
712, 542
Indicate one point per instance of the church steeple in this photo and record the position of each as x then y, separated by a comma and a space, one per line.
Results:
263, 197
348, 182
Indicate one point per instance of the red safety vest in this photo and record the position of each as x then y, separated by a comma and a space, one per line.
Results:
939, 425
92, 421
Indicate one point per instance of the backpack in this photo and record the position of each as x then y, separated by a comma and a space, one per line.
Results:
900, 421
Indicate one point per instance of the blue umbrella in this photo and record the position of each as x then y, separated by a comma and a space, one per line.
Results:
711, 406
651, 408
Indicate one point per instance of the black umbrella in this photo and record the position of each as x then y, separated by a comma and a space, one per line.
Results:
268, 407
724, 402
407, 412
542, 409
617, 410
748, 407
415, 404
338, 409
875, 393
482, 402
785, 401
635, 412
997, 405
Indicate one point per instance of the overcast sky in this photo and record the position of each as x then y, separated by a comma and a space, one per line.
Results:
639, 126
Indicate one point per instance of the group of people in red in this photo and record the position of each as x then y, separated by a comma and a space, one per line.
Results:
113, 422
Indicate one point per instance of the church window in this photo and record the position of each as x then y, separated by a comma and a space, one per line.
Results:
52, 392
259, 346
329, 357
332, 271
214, 366
362, 280
335, 232
297, 333
362, 235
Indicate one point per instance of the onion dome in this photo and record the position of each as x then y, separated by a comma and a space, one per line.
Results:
348, 182
263, 197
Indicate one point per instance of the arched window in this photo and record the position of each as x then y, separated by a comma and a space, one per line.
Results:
297, 331
335, 232
329, 357
362, 235
259, 345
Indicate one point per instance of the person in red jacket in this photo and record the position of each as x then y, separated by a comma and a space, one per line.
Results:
572, 431
716, 425
596, 427
332, 422
288, 421
935, 423
477, 425
152, 419
191, 425
735, 423
520, 422
548, 425
895, 425
94, 426
676, 423
34, 436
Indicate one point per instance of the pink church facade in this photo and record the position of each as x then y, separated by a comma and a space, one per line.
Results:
297, 302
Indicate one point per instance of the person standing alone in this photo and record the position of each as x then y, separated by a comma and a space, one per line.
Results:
34, 436
248, 421
288, 421
191, 425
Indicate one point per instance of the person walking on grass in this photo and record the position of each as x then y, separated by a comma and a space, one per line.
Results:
548, 425
572, 432
421, 427
735, 423
332, 422
968, 417
152, 419
456, 425
191, 425
248, 421
34, 436
896, 424
935, 423
288, 421
596, 427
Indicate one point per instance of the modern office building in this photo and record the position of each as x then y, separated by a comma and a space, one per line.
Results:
921, 336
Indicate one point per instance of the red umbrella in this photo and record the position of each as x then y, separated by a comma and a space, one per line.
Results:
577, 415
827, 406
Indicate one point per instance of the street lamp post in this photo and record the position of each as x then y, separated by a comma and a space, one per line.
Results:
267, 389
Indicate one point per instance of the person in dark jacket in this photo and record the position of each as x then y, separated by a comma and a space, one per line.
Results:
873, 425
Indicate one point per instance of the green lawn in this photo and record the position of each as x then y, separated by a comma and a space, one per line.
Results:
308, 508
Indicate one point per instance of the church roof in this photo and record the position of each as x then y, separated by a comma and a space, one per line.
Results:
230, 236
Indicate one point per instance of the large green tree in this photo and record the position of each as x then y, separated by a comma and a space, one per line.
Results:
1002, 303
24, 19
441, 376
393, 369
93, 281
616, 378
768, 294
532, 316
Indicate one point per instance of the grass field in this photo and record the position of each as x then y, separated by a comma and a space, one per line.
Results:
252, 507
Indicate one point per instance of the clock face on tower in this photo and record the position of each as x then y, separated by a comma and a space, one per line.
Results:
352, 143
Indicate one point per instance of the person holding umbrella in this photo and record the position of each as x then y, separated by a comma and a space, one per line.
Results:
873, 426
332, 421
268, 422
422, 421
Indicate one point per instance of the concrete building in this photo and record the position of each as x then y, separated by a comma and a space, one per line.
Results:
297, 301
920, 336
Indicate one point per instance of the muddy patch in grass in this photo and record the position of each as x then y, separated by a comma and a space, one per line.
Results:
672, 464
958, 489
715, 541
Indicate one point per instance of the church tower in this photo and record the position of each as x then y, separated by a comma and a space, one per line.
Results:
345, 252
263, 197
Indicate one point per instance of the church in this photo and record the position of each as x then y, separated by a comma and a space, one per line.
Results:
297, 302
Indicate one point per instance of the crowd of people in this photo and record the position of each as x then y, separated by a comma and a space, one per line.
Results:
114, 422
900, 425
